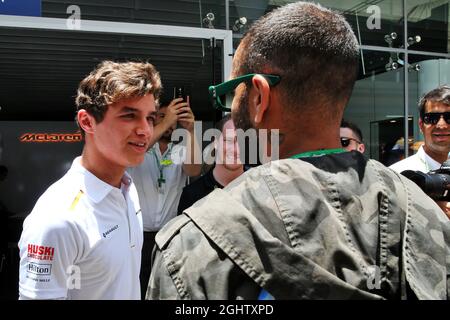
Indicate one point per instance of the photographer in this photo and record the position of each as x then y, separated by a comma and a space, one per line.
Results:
160, 178
434, 123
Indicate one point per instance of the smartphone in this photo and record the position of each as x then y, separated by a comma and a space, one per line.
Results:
179, 92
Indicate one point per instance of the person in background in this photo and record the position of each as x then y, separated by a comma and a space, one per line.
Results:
160, 178
320, 223
83, 238
227, 166
434, 123
351, 137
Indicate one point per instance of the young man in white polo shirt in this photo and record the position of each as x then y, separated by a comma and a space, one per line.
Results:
83, 238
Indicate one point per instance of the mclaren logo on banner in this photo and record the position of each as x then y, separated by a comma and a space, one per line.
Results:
21, 7
51, 137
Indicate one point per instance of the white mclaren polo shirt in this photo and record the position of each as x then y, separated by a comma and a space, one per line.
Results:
82, 240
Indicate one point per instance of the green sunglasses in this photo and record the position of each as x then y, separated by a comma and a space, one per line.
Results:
218, 93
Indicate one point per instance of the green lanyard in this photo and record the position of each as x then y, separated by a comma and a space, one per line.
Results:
161, 164
317, 153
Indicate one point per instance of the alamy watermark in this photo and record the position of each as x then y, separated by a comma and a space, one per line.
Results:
74, 277
374, 20
255, 146
73, 22
374, 277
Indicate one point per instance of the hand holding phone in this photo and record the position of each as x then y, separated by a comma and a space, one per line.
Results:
179, 92
184, 112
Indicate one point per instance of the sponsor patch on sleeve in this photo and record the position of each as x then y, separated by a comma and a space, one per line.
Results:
38, 252
39, 269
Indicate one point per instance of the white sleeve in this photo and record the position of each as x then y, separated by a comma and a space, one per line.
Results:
48, 250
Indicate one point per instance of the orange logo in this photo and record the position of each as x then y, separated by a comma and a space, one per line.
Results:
51, 137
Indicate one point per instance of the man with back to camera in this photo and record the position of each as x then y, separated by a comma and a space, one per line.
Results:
160, 178
434, 123
320, 223
227, 166
351, 137
83, 238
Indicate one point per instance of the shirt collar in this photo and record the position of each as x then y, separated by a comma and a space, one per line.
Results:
430, 163
92, 186
157, 150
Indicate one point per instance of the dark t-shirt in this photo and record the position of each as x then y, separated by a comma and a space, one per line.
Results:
197, 190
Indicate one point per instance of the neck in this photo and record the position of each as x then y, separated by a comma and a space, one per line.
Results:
321, 132
440, 157
224, 176
300, 141
163, 145
102, 167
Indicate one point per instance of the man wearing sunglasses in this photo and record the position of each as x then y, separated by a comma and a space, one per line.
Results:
434, 123
321, 223
351, 137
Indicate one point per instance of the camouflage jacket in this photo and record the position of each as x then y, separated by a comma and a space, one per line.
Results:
331, 227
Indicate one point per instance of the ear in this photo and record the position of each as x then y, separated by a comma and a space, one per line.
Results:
361, 147
421, 125
260, 98
86, 121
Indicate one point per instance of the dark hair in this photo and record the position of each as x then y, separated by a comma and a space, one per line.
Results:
296, 40
111, 82
352, 126
440, 94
